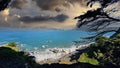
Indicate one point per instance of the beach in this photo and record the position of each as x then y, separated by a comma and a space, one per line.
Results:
57, 55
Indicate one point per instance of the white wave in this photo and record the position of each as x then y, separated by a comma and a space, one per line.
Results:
49, 53
3, 43
54, 53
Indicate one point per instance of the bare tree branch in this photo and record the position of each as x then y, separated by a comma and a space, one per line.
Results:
103, 3
4, 4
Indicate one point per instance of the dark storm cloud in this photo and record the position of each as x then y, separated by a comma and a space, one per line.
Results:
55, 4
49, 4
18, 3
49, 14
58, 18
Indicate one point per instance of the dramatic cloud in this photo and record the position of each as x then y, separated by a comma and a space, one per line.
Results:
5, 14
43, 14
58, 18
57, 5
18, 3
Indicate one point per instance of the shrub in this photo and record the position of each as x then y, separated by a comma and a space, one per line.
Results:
12, 45
85, 59
104, 50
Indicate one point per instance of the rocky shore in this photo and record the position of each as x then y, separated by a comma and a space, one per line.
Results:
59, 55
104, 53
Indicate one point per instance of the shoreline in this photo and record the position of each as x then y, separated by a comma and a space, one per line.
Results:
55, 55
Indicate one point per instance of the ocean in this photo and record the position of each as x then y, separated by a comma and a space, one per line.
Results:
31, 39
43, 43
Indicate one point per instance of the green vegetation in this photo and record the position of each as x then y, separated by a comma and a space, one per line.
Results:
85, 59
103, 51
11, 54
13, 46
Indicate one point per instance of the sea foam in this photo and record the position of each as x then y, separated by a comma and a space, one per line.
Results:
54, 53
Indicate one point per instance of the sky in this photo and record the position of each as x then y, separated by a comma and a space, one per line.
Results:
43, 14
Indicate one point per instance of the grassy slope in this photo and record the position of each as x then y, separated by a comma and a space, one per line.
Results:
103, 51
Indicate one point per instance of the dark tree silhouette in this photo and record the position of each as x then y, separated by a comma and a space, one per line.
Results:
4, 4
104, 3
99, 19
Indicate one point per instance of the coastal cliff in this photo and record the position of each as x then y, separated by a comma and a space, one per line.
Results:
104, 53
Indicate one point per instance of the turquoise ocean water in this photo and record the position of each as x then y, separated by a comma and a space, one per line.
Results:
42, 38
